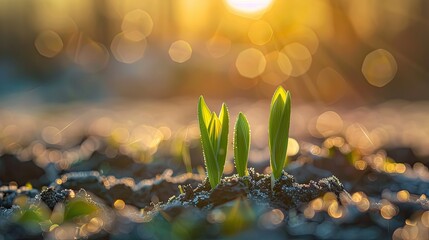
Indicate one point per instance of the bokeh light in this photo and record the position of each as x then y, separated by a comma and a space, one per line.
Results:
51, 135
271, 219
388, 211
362, 15
403, 195
137, 25
119, 204
251, 63
300, 58
128, 50
292, 147
48, 43
260, 32
284, 64
277, 69
180, 51
303, 35
379, 67
329, 123
369, 17
334, 210
91, 55
95, 86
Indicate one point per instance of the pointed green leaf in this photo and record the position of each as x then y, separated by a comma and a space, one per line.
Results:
223, 139
280, 92
214, 133
241, 144
279, 130
275, 120
208, 151
223, 113
204, 111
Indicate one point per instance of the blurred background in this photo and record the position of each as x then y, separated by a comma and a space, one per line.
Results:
112, 86
346, 53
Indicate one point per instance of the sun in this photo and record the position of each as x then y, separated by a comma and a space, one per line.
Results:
249, 6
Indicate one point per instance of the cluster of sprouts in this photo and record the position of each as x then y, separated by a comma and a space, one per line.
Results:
214, 137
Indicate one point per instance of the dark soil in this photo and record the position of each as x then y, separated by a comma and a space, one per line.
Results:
30, 172
286, 193
140, 194
132, 200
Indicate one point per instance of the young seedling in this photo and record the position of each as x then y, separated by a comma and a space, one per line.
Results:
278, 131
214, 140
241, 144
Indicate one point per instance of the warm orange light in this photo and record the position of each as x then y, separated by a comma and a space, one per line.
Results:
260, 33
119, 204
403, 196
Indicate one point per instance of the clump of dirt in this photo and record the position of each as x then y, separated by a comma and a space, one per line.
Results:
285, 194
51, 197
139, 194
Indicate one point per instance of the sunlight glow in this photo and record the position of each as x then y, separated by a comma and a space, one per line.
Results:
249, 6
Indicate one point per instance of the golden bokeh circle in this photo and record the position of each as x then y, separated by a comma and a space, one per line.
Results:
127, 50
379, 67
137, 24
300, 58
251, 63
180, 51
48, 43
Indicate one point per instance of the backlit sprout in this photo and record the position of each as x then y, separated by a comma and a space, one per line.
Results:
241, 144
214, 139
278, 131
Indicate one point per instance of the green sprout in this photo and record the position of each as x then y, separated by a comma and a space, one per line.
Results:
278, 131
214, 140
241, 144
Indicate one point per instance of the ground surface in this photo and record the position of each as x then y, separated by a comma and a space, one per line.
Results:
119, 170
